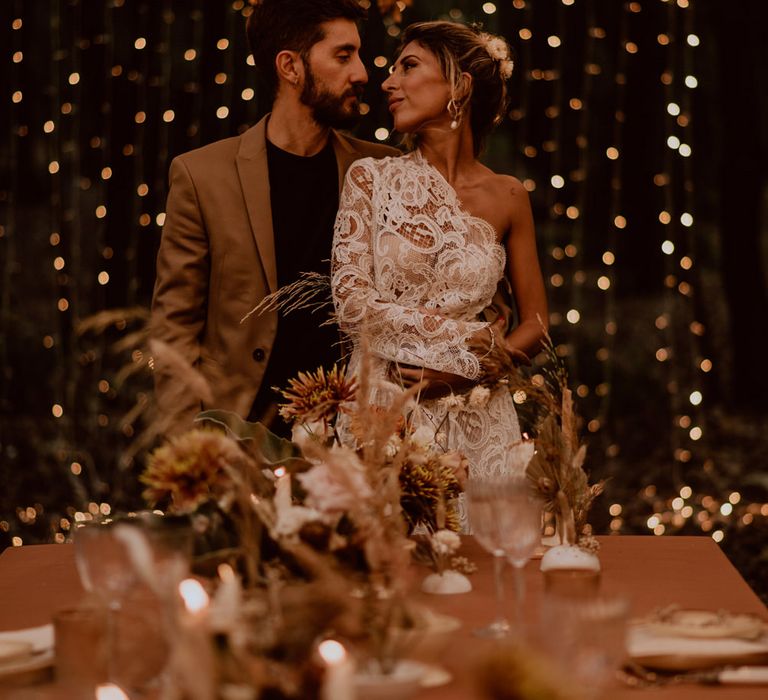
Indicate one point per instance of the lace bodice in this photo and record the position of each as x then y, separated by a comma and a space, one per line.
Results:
412, 265
412, 270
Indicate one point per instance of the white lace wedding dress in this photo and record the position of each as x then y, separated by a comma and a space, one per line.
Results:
413, 270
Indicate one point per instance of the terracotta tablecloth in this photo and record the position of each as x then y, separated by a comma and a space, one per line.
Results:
36, 580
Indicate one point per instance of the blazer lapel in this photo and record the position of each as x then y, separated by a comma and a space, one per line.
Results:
254, 179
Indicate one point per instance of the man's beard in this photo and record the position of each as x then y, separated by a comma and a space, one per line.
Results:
329, 109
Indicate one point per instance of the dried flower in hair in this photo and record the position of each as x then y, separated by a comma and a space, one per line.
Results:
499, 51
506, 67
495, 46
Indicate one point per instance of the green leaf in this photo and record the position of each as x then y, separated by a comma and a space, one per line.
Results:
271, 450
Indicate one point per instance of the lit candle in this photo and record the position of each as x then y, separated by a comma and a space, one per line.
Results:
195, 598
227, 601
282, 490
192, 663
338, 679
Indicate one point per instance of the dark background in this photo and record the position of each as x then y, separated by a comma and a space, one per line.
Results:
599, 88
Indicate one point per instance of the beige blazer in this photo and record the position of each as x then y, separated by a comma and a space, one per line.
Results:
217, 262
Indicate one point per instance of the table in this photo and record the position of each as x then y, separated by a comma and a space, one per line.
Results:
36, 580
652, 571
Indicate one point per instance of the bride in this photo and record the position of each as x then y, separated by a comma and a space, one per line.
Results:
422, 241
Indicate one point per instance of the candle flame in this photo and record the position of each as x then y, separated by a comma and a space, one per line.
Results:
332, 652
194, 595
226, 572
110, 691
280, 471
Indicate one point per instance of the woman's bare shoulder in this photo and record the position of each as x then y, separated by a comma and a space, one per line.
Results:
509, 190
499, 183
508, 184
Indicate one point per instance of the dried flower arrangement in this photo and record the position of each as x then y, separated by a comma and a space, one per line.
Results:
556, 470
314, 510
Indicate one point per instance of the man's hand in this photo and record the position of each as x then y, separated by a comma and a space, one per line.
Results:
438, 384
496, 357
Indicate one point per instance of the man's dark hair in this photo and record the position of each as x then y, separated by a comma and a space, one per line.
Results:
293, 25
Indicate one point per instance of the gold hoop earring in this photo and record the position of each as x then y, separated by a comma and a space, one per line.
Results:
454, 111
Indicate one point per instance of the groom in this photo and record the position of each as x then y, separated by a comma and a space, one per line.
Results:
247, 214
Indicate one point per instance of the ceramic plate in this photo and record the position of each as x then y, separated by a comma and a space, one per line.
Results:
435, 676
706, 624
39, 657
667, 652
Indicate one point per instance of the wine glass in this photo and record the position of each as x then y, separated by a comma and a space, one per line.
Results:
105, 569
521, 534
169, 542
586, 637
503, 520
160, 548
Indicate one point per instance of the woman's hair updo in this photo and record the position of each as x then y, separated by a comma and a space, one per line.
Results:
462, 49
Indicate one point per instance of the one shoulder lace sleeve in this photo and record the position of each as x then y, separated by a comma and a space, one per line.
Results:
394, 332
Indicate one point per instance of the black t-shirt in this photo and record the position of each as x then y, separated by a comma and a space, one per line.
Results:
304, 195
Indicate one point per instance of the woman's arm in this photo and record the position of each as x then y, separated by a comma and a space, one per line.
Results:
525, 276
394, 332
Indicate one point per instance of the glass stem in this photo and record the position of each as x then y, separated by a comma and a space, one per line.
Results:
519, 596
498, 575
112, 610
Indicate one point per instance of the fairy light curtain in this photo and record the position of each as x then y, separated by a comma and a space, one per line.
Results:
99, 95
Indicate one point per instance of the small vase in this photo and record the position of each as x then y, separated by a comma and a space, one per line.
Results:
447, 583
570, 570
566, 556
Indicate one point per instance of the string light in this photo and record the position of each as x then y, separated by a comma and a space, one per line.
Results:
166, 87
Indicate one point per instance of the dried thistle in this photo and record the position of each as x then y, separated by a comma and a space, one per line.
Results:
315, 396
191, 469
429, 486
